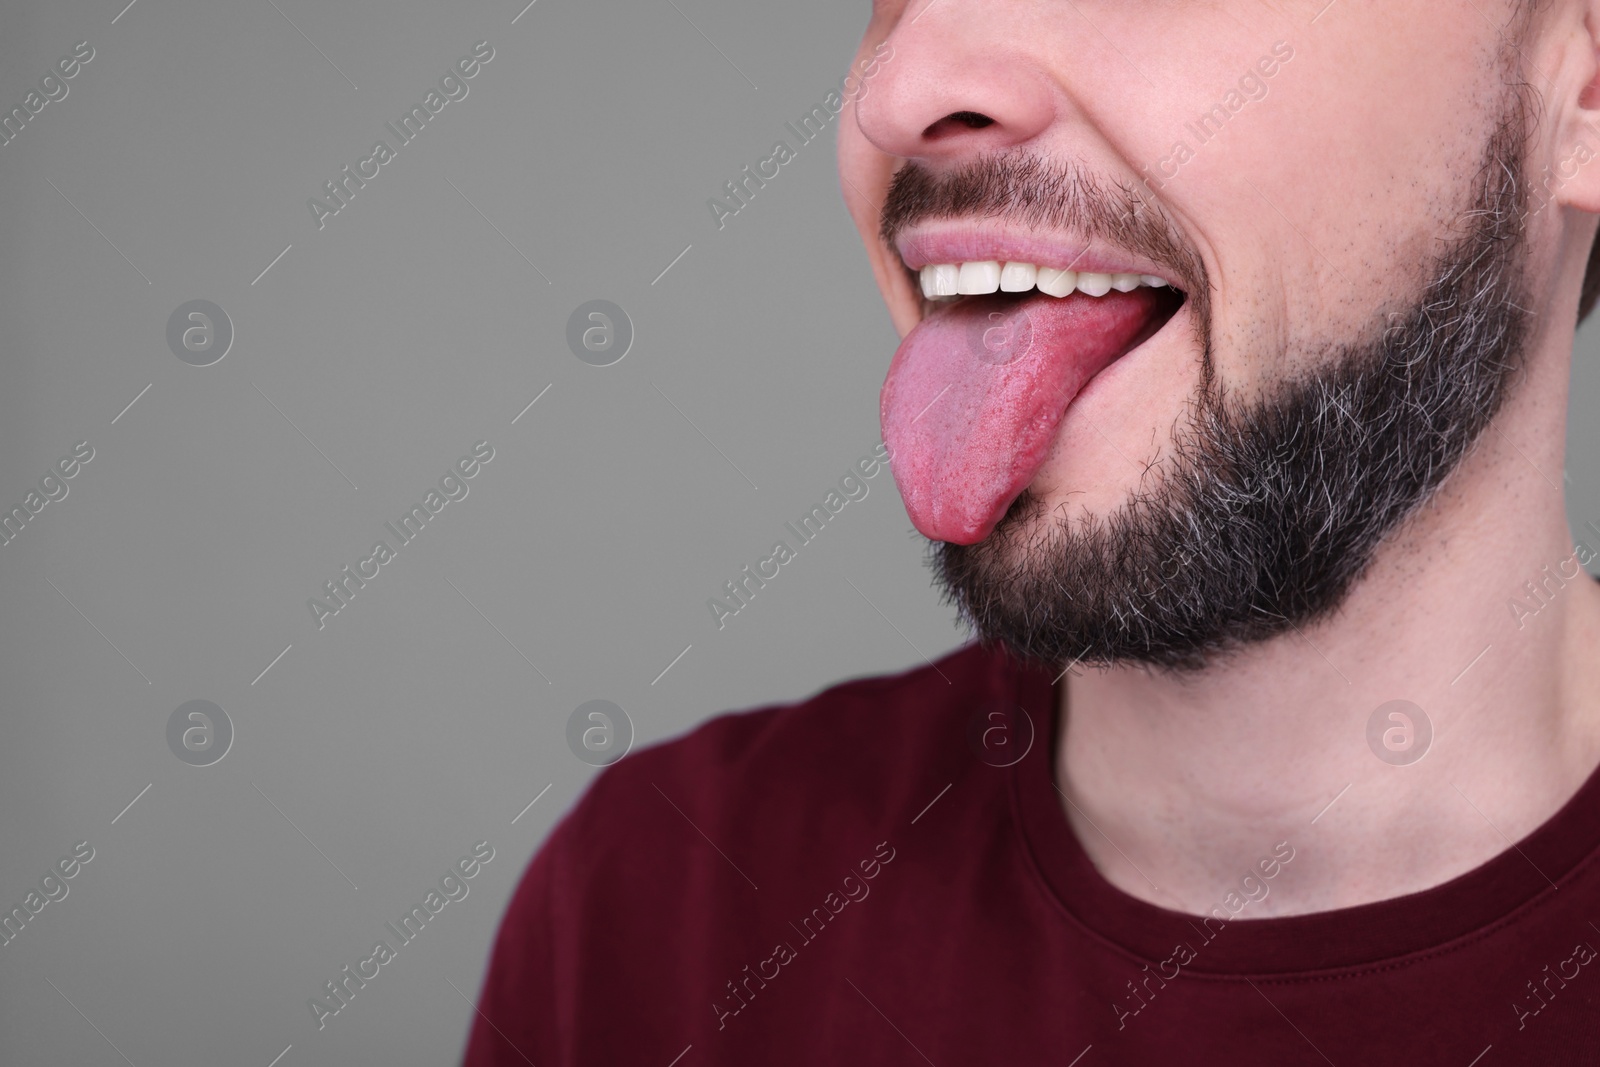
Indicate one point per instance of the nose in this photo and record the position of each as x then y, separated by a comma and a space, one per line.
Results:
956, 85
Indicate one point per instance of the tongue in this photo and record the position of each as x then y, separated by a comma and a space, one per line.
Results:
976, 391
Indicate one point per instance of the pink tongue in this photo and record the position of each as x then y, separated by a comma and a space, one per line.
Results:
975, 392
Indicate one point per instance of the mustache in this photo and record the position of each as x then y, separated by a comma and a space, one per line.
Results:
1040, 193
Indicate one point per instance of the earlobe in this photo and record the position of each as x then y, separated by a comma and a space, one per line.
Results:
1569, 179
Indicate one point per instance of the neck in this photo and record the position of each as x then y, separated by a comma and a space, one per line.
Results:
1177, 783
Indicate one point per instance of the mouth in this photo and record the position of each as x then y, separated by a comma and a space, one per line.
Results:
977, 391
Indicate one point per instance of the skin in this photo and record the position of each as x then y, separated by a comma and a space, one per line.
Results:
1358, 158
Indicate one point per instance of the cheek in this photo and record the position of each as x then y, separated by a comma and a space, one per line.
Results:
864, 167
1403, 156
1254, 317
1121, 422
866, 173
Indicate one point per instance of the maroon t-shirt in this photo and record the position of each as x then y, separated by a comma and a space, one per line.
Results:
854, 880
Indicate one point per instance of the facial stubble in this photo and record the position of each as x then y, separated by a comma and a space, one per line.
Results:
1269, 509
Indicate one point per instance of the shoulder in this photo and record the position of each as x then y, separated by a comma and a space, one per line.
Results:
648, 889
751, 798
856, 752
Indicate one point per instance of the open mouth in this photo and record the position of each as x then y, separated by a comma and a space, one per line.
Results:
946, 284
977, 390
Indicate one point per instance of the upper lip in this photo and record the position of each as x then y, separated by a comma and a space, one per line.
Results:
963, 241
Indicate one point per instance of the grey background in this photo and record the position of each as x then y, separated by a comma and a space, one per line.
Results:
422, 318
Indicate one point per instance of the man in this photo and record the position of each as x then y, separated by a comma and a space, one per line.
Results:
1231, 398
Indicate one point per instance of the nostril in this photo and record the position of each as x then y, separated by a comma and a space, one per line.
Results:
951, 123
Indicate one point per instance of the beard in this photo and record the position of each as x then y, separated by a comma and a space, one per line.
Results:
1268, 509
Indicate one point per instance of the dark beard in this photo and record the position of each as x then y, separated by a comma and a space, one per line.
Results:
1270, 509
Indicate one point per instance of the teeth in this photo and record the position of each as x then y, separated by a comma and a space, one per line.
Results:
976, 277
939, 279
1057, 282
1017, 277
1095, 284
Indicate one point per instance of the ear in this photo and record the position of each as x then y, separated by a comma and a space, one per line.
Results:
1567, 170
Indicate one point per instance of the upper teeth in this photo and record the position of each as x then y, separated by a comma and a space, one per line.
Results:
988, 276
